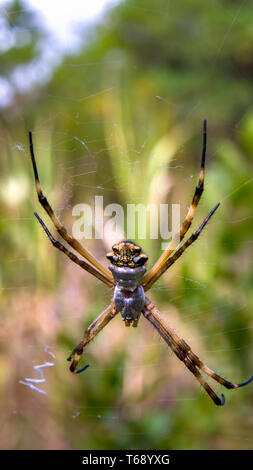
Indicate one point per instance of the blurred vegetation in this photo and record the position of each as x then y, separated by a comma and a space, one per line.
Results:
122, 118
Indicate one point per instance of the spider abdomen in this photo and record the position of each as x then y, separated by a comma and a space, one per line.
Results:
129, 303
129, 295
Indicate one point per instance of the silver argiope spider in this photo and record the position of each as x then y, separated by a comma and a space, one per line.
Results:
128, 277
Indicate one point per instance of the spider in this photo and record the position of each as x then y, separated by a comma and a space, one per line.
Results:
127, 275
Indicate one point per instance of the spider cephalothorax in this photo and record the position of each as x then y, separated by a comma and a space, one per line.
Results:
127, 253
128, 277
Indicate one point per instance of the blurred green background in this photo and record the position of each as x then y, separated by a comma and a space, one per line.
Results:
122, 117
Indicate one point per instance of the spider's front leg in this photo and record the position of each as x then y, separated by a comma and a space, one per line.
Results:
105, 275
93, 329
151, 275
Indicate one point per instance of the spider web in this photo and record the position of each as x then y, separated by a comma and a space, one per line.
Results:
147, 360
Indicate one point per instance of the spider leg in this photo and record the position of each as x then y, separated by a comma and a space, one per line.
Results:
166, 264
219, 379
60, 228
88, 267
93, 329
188, 219
185, 354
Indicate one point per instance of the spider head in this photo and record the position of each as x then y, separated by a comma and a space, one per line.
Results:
127, 253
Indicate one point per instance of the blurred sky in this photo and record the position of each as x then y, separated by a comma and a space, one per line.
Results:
64, 25
63, 17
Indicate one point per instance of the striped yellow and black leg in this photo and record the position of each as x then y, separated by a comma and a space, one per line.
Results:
93, 329
188, 219
82, 263
58, 225
217, 377
186, 355
171, 260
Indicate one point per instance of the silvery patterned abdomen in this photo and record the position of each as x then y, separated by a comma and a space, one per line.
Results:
129, 295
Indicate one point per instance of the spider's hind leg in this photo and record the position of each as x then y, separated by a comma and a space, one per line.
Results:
93, 329
218, 378
186, 355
